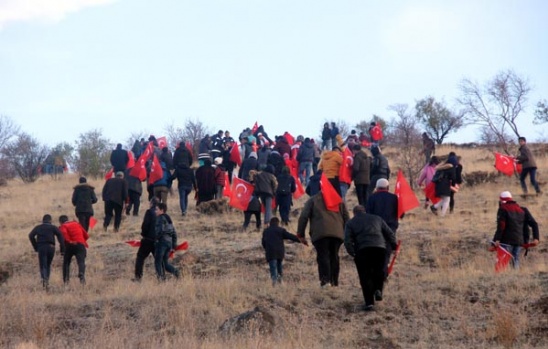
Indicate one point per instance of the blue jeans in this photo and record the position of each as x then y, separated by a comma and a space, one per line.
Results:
183, 198
532, 171
161, 260
276, 269
267, 202
344, 189
305, 166
515, 251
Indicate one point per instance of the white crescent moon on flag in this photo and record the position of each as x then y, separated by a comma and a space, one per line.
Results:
350, 160
240, 185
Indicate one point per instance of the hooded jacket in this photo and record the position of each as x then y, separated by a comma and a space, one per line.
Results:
83, 198
361, 168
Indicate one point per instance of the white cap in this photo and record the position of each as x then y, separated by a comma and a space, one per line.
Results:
382, 183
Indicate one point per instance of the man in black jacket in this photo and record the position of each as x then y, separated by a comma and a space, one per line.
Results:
513, 222
119, 158
115, 192
83, 197
148, 233
365, 238
42, 238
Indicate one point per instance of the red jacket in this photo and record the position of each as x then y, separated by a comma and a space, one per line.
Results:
74, 233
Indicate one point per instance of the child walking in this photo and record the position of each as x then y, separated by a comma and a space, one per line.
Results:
273, 244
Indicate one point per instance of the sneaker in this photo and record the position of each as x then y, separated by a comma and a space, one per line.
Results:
368, 307
434, 210
325, 286
378, 295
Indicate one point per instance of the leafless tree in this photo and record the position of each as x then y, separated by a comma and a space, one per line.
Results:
8, 130
193, 132
407, 138
496, 105
175, 135
541, 113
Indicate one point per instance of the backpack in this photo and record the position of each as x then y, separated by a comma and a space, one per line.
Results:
438, 176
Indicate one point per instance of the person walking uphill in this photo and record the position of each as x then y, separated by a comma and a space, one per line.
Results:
115, 192
529, 166
75, 246
166, 240
265, 187
42, 238
119, 158
366, 237
326, 234
273, 244
148, 234
83, 198
513, 222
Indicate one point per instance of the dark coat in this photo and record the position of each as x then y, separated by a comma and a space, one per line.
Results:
510, 224
205, 180
306, 152
265, 184
83, 198
276, 160
185, 176
385, 205
525, 157
273, 242
248, 165
115, 190
182, 156
119, 159
366, 230
282, 147
134, 184
148, 227
361, 168
446, 178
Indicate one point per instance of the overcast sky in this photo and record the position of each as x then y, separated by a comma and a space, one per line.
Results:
126, 66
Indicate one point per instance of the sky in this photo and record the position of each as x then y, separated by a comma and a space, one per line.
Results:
135, 66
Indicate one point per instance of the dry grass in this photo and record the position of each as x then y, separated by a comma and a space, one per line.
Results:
443, 294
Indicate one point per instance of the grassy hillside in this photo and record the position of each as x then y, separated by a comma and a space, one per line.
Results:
443, 293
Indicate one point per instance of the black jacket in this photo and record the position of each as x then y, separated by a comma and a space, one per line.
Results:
83, 197
119, 159
510, 224
306, 152
248, 165
134, 184
366, 230
273, 242
182, 156
385, 205
115, 190
148, 227
185, 176
46, 233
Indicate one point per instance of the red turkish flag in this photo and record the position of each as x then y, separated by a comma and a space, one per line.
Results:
407, 200
504, 164
289, 138
162, 142
241, 194
345, 171
235, 154
430, 192
139, 170
227, 191
255, 127
376, 133
331, 197
92, 222
503, 259
365, 144
156, 172
109, 174
134, 243
181, 247
131, 160
300, 189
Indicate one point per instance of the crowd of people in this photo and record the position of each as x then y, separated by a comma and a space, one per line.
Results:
275, 168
